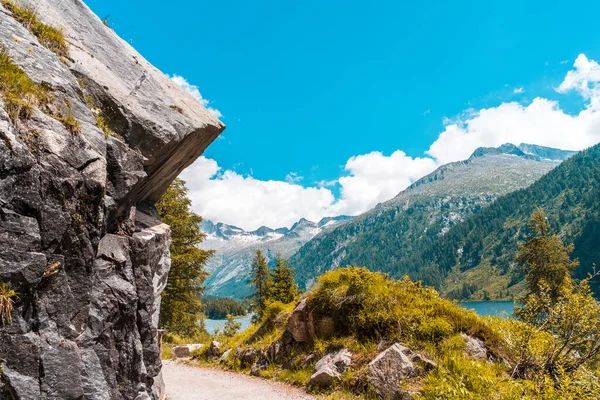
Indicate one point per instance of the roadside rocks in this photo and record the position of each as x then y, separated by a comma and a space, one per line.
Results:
392, 366
185, 350
247, 356
214, 350
225, 355
330, 368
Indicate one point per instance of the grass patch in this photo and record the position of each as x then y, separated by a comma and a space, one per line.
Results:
68, 119
101, 118
177, 108
49, 36
7, 295
19, 93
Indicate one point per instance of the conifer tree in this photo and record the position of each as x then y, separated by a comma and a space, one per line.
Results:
261, 281
545, 258
284, 287
231, 326
562, 308
181, 307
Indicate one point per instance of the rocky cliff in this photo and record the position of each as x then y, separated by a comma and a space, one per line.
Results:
80, 241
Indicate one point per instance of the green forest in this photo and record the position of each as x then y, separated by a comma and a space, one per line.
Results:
219, 307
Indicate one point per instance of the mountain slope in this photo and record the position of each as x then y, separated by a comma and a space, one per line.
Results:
481, 250
234, 249
386, 237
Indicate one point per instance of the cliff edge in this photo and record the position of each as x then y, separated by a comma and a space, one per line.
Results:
80, 170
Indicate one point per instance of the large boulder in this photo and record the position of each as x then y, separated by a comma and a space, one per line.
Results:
80, 239
331, 367
299, 323
391, 367
304, 325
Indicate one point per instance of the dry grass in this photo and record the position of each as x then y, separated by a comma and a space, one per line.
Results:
19, 93
49, 36
7, 293
102, 119
68, 119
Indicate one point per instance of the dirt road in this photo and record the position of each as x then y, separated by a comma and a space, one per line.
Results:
193, 383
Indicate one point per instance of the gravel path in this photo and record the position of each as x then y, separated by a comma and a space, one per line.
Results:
194, 383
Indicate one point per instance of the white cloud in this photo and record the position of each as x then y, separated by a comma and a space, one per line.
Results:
247, 202
518, 90
585, 79
374, 178
293, 177
195, 92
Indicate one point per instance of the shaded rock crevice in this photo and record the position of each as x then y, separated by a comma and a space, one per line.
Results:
80, 241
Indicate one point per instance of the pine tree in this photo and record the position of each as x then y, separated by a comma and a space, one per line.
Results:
284, 287
544, 257
261, 281
562, 308
181, 307
231, 326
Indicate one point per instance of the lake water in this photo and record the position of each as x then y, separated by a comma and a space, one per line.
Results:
212, 324
500, 308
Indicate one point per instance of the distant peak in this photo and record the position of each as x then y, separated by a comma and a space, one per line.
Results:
547, 153
507, 148
303, 223
529, 151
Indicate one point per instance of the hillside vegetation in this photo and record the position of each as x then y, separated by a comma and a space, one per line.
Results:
392, 237
478, 254
361, 335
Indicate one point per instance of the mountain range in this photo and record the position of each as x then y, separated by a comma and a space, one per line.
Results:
388, 237
235, 248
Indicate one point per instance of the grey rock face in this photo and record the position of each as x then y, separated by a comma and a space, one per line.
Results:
330, 368
391, 367
475, 348
78, 240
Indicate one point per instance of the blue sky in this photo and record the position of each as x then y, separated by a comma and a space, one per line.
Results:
310, 89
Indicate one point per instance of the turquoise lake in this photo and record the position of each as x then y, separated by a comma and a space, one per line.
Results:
212, 324
499, 308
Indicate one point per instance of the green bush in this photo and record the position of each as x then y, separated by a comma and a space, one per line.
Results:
434, 329
370, 305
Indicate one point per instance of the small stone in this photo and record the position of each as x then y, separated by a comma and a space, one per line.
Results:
185, 351
325, 376
225, 355
215, 349
331, 367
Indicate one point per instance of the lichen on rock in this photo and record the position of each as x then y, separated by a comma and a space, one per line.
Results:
80, 240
